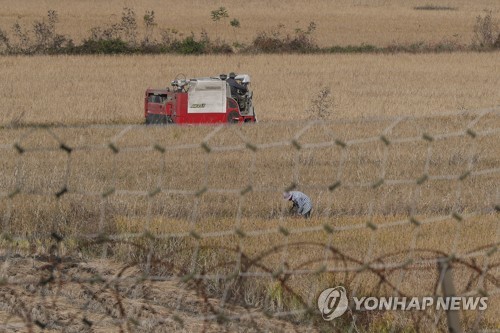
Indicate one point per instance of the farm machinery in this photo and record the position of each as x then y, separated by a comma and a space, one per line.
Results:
201, 101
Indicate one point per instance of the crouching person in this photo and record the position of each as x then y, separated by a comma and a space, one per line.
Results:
302, 204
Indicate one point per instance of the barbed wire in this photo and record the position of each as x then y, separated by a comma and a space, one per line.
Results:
110, 241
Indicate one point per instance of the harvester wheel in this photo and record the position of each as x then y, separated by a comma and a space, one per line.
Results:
156, 119
233, 117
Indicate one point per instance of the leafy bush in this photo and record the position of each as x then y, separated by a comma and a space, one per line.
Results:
219, 47
40, 39
128, 25
363, 48
434, 7
125, 30
217, 15
103, 46
122, 37
277, 42
446, 45
486, 32
188, 46
149, 23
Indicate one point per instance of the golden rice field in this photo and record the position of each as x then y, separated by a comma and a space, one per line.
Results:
218, 204
96, 90
406, 170
343, 22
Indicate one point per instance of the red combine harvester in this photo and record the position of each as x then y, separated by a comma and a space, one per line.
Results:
200, 101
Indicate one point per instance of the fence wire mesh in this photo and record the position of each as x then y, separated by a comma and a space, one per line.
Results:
160, 229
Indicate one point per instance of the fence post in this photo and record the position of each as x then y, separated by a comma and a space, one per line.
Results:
453, 316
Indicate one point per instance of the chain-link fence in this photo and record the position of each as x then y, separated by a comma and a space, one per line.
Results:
162, 229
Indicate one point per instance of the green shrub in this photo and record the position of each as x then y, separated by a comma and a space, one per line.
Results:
188, 46
219, 48
103, 46
434, 7
277, 42
363, 48
122, 37
152, 48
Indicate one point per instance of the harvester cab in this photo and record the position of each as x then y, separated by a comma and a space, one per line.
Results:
200, 100
244, 98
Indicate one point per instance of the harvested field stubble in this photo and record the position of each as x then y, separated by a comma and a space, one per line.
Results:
155, 198
346, 22
96, 90
106, 226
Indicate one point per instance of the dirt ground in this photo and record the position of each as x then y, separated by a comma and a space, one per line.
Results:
104, 296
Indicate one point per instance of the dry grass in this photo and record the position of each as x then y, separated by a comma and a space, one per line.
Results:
95, 90
76, 90
176, 216
109, 90
344, 22
147, 307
